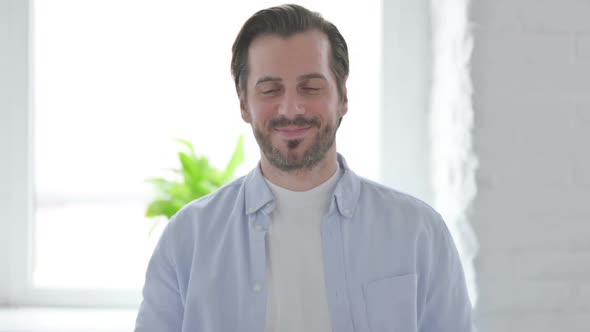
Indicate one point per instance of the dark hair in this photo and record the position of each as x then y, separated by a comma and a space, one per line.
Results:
285, 21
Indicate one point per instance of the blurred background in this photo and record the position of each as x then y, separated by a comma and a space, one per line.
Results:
480, 108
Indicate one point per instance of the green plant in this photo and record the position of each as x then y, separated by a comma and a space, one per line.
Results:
197, 178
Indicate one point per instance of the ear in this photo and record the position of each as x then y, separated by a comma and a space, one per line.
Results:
344, 108
244, 109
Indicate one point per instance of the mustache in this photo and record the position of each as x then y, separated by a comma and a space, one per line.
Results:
299, 121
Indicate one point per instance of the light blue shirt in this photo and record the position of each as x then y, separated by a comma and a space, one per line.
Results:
390, 263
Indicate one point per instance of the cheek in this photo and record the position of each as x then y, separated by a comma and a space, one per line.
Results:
261, 112
325, 109
317, 105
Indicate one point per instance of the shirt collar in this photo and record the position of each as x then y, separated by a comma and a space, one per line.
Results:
258, 195
347, 190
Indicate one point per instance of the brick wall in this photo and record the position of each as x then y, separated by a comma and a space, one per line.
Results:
531, 77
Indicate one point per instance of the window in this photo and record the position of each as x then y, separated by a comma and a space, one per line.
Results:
92, 94
108, 86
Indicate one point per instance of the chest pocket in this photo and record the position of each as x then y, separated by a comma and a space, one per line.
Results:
391, 304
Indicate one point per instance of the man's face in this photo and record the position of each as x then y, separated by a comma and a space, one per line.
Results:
292, 99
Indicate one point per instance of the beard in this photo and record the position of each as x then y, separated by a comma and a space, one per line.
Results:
293, 160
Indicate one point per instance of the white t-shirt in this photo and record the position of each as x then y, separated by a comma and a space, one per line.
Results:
295, 270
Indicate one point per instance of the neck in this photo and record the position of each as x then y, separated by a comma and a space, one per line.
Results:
302, 179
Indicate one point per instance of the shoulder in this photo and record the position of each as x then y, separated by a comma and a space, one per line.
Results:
216, 199
391, 199
398, 207
208, 210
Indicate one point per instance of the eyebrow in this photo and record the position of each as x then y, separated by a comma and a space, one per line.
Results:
299, 79
310, 76
268, 79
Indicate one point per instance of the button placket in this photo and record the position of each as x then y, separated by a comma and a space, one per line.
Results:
258, 250
257, 277
335, 273
257, 287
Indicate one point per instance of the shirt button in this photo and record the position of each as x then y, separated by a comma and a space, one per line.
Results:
347, 212
258, 227
257, 287
250, 210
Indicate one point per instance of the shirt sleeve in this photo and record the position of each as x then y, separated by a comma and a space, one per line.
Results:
162, 307
447, 307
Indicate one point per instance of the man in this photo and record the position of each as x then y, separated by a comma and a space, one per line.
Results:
302, 243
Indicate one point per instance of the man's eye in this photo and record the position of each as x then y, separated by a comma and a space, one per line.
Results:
307, 88
271, 91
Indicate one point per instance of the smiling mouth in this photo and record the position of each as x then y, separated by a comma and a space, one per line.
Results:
292, 131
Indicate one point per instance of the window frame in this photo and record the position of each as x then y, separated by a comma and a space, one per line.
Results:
15, 138
17, 191
398, 162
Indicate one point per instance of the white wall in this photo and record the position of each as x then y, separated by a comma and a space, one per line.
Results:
531, 75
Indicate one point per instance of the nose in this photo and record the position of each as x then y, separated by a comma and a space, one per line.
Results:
291, 106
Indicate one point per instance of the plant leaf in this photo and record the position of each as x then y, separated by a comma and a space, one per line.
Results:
236, 160
188, 144
178, 191
196, 178
165, 208
190, 167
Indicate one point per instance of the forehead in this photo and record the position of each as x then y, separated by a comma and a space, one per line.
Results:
275, 55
